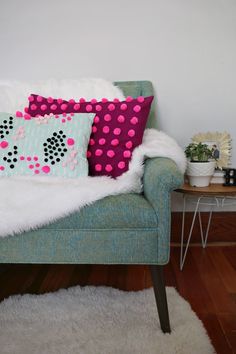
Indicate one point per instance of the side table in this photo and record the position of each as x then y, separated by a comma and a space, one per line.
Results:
215, 195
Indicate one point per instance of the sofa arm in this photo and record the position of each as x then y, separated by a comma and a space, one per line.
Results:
161, 176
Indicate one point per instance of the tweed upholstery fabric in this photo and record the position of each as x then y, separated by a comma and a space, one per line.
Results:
107, 246
130, 211
124, 229
160, 178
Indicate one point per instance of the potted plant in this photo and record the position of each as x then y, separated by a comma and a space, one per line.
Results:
200, 164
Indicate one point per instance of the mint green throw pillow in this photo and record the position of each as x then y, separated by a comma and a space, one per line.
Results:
53, 145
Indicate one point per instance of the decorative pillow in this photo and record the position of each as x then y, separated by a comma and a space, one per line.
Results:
118, 128
49, 145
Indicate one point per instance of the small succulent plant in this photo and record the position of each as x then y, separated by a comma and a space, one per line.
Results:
199, 152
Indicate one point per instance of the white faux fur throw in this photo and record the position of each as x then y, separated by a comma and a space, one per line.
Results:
14, 94
28, 203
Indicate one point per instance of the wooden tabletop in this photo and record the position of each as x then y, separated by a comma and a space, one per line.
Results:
211, 190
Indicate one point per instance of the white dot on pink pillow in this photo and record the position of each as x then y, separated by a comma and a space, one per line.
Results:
106, 129
121, 165
121, 119
98, 152
115, 142
131, 133
108, 168
91, 142
102, 141
107, 117
137, 108
110, 153
117, 131
94, 129
98, 167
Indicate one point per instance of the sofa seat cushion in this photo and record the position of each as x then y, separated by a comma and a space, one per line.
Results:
119, 229
124, 211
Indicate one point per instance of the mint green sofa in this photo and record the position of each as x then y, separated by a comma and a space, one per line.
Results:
123, 229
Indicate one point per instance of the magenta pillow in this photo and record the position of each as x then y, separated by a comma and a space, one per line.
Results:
117, 129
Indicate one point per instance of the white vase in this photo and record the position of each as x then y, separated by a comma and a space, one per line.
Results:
200, 173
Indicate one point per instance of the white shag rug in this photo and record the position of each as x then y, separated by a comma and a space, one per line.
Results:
98, 320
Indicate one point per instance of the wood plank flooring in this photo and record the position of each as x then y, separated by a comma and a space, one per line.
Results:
222, 228
207, 282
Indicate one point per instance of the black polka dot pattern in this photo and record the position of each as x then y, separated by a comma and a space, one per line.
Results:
11, 157
54, 147
6, 127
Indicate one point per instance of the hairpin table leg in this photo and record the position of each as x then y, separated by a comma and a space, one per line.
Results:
183, 252
204, 237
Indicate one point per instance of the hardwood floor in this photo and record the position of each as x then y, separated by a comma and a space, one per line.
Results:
207, 282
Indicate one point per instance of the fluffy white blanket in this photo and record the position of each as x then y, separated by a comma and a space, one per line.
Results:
27, 203
14, 94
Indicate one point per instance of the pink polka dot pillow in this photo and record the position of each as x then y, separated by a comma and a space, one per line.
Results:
117, 129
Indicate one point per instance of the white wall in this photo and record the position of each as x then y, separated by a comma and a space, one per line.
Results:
187, 48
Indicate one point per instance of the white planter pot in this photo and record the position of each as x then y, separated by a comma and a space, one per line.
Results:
200, 173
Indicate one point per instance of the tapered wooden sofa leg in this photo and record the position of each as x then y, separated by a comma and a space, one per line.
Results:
160, 295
